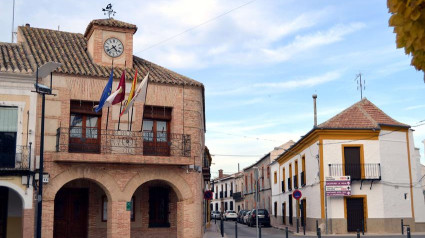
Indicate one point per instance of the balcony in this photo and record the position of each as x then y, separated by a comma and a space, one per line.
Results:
302, 179
231, 193
237, 196
283, 186
15, 160
133, 144
289, 184
356, 171
221, 194
295, 181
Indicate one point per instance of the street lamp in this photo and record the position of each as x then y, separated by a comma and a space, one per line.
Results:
256, 177
42, 72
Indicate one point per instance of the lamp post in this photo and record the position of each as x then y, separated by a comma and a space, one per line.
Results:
256, 176
42, 72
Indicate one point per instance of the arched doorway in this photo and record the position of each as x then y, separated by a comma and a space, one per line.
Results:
80, 210
154, 210
11, 206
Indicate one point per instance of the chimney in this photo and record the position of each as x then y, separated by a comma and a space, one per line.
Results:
315, 110
220, 173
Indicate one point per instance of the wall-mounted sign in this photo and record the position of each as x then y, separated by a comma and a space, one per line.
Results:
297, 194
338, 186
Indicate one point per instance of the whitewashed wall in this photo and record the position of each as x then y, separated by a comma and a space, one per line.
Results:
418, 196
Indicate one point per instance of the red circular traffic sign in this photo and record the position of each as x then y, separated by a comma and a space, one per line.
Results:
297, 194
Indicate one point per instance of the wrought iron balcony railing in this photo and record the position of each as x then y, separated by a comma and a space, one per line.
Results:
237, 196
283, 186
295, 181
15, 160
221, 194
122, 142
302, 176
289, 184
356, 171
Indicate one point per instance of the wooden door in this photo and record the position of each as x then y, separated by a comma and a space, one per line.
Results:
291, 212
158, 207
4, 194
303, 212
352, 162
355, 214
71, 213
284, 213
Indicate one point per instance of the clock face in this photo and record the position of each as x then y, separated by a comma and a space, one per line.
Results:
113, 47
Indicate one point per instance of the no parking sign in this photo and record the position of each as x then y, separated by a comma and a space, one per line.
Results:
297, 194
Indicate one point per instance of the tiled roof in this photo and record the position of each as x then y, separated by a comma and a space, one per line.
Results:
362, 115
70, 49
110, 22
13, 59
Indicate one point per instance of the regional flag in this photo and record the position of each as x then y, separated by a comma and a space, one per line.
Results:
140, 94
118, 95
106, 92
130, 96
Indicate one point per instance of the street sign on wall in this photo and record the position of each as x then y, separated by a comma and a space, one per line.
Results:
297, 194
338, 186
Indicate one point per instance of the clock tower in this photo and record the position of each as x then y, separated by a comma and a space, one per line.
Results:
109, 39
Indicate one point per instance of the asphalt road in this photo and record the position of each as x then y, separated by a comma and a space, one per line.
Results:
269, 232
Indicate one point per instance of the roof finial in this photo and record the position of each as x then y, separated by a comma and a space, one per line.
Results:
108, 10
361, 85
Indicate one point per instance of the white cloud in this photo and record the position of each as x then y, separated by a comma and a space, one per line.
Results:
415, 107
308, 82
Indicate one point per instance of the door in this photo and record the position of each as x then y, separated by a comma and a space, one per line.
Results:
71, 213
156, 137
4, 194
158, 207
352, 162
355, 214
290, 209
303, 212
283, 213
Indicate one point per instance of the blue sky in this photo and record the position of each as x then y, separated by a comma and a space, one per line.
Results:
260, 63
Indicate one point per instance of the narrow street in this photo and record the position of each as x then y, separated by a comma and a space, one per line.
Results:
245, 231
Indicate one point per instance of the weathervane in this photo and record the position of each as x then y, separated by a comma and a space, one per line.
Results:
108, 10
361, 85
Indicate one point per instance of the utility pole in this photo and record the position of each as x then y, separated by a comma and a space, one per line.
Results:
13, 20
361, 85
256, 178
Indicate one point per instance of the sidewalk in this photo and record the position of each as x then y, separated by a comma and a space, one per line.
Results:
213, 231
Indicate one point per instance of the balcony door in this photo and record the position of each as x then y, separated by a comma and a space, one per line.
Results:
8, 134
156, 131
84, 128
352, 162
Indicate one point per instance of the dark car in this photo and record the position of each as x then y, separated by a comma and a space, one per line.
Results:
263, 218
241, 214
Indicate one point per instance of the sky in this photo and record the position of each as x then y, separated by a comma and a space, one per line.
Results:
260, 61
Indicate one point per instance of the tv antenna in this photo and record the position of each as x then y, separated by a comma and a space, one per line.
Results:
108, 10
361, 85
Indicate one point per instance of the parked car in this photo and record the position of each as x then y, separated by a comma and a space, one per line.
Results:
215, 215
230, 215
241, 214
246, 217
263, 218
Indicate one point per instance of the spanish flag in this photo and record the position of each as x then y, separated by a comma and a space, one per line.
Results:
131, 95
139, 95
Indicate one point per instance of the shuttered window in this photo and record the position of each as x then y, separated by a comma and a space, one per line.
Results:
8, 119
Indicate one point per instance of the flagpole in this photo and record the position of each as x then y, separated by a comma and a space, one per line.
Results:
131, 120
146, 95
119, 118
107, 116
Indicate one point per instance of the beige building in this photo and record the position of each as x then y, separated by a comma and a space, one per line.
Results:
17, 136
139, 175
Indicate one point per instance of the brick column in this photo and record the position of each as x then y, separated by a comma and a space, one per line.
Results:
28, 223
118, 220
47, 218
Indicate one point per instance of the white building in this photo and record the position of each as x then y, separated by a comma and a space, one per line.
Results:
223, 192
376, 151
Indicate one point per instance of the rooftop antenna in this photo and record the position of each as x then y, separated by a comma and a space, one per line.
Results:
108, 10
361, 85
13, 19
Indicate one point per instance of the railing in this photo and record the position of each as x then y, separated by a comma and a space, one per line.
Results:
123, 142
15, 159
237, 196
221, 194
231, 193
283, 186
356, 171
295, 181
289, 184
302, 179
